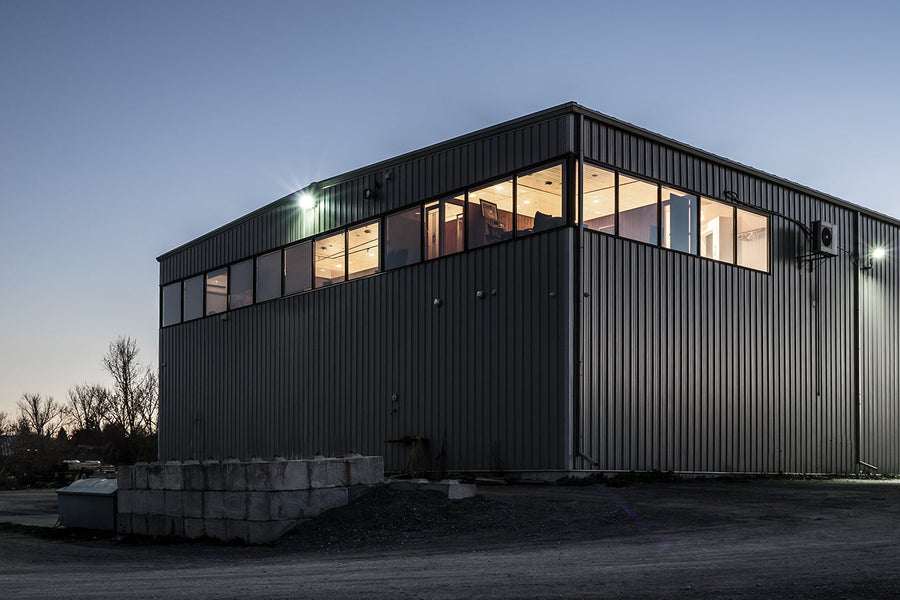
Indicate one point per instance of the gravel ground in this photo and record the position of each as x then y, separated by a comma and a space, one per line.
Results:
689, 539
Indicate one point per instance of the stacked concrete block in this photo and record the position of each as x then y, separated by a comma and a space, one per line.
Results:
255, 502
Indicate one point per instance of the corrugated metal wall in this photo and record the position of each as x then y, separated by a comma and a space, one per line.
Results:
879, 335
317, 372
692, 365
689, 364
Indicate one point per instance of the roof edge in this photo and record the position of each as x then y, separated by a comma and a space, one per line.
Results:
579, 109
559, 110
554, 111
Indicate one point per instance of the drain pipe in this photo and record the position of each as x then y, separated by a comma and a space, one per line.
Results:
578, 259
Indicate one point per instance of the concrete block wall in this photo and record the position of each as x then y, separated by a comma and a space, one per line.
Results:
255, 502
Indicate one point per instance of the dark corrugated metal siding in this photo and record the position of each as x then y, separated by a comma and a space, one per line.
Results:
689, 364
880, 349
693, 365
316, 372
342, 203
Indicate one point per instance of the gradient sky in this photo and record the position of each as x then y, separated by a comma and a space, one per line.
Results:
127, 128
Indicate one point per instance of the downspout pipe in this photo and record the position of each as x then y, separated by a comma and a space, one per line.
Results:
578, 378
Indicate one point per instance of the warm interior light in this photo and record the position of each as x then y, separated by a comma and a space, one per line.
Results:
878, 253
306, 201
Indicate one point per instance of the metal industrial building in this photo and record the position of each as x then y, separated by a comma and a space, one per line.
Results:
684, 313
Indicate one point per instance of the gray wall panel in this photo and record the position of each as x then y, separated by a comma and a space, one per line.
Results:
689, 364
316, 372
692, 365
880, 349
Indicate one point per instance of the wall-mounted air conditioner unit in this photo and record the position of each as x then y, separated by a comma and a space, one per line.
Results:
825, 238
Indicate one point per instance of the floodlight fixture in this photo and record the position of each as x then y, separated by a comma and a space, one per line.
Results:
306, 200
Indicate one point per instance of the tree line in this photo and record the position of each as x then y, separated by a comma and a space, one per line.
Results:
115, 424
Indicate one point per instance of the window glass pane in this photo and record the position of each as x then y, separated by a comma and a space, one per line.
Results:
599, 199
268, 276
193, 298
444, 226
716, 230
539, 200
679, 220
362, 250
241, 284
752, 240
298, 268
171, 304
217, 291
403, 246
637, 210
330, 260
490, 214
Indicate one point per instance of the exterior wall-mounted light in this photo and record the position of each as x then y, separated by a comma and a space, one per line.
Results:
878, 253
306, 201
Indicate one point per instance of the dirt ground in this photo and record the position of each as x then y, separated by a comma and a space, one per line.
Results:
683, 539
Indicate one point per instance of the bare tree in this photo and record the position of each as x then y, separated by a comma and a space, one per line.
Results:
134, 395
88, 407
38, 414
6, 425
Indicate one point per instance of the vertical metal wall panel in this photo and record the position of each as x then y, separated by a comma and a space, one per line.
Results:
689, 364
692, 365
879, 358
316, 372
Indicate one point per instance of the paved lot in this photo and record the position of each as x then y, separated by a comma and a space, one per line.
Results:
696, 539
29, 507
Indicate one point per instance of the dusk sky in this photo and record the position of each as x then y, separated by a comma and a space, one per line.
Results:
130, 128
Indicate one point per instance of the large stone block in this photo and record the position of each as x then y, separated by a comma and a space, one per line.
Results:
236, 530
156, 502
366, 470
192, 504
140, 501
193, 476
156, 476
213, 473
296, 476
234, 475
235, 505
266, 532
139, 476
123, 523
288, 504
175, 526
328, 472
123, 478
214, 505
454, 489
193, 528
173, 475
165, 526
214, 528
258, 507
156, 525
259, 475
139, 524
123, 500
174, 503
